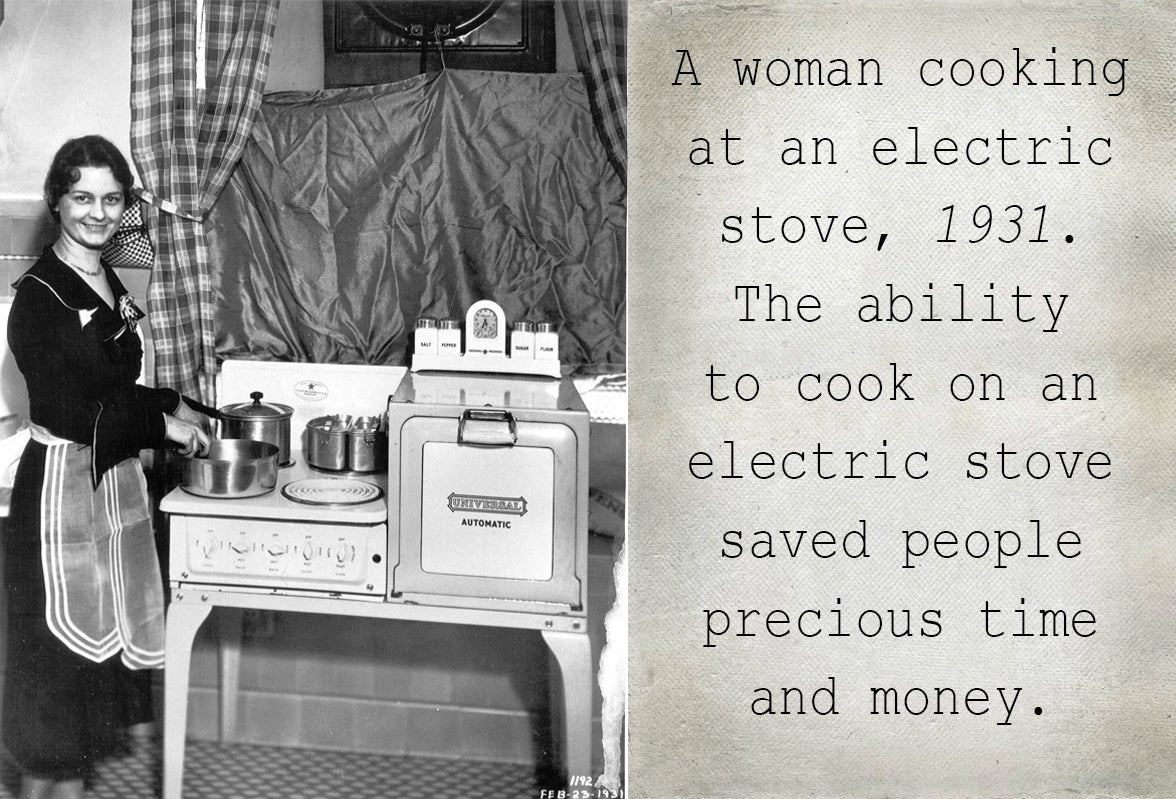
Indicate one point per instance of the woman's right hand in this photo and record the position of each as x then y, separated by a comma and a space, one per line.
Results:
191, 438
185, 414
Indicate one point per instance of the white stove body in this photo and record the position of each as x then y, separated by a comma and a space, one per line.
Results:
271, 543
488, 479
384, 559
485, 501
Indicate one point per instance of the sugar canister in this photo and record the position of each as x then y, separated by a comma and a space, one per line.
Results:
522, 340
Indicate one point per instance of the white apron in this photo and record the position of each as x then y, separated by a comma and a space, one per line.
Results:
103, 591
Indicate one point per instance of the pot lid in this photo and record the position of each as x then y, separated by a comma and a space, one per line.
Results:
330, 424
258, 409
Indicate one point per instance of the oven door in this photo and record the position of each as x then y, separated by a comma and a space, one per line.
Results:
487, 509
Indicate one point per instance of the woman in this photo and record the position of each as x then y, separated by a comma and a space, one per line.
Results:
85, 599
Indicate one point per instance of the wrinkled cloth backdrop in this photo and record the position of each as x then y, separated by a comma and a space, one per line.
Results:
354, 211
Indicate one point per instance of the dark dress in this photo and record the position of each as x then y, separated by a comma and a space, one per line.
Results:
82, 579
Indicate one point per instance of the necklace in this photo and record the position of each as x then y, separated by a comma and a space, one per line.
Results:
72, 265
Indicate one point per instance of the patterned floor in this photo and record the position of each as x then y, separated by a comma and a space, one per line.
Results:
247, 771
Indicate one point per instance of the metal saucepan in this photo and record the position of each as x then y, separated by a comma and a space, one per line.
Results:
326, 442
341, 443
260, 421
367, 445
233, 469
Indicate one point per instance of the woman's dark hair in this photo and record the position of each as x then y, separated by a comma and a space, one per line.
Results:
93, 151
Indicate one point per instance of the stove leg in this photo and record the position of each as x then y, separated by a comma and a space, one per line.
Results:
572, 652
229, 627
183, 620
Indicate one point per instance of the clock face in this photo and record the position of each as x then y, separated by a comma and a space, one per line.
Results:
485, 326
485, 323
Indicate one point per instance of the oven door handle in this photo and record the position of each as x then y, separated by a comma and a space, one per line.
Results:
485, 427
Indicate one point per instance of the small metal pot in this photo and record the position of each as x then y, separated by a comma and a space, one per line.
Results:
367, 446
259, 421
326, 442
233, 469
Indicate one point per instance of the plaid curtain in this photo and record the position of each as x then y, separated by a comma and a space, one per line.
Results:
597, 29
197, 75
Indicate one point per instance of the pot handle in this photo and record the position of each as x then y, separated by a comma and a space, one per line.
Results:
204, 409
211, 413
480, 427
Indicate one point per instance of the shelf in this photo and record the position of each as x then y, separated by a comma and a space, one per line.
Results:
497, 364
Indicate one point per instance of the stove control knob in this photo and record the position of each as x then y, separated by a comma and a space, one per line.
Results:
276, 548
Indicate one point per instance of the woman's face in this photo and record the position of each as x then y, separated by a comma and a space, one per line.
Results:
92, 208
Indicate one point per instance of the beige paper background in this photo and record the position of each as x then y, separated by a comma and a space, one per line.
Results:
1108, 701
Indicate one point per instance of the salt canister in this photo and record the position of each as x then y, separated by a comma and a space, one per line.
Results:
425, 337
546, 341
449, 338
522, 340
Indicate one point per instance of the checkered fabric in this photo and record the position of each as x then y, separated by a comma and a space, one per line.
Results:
130, 245
189, 126
597, 29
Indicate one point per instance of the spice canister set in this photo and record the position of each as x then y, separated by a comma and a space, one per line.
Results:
539, 340
486, 343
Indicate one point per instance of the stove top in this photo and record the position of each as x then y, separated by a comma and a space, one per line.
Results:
277, 507
311, 389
